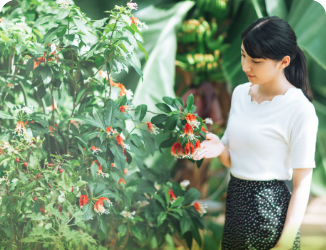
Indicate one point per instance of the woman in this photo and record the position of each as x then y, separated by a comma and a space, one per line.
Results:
270, 137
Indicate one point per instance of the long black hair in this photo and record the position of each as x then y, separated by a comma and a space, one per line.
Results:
272, 37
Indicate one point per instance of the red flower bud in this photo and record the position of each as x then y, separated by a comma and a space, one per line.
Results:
72, 190
60, 170
60, 209
50, 164
17, 159
38, 176
31, 143
25, 164
34, 198
49, 185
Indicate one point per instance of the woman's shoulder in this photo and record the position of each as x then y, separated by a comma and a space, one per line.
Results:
242, 87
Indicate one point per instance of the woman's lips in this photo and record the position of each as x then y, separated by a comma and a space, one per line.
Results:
250, 76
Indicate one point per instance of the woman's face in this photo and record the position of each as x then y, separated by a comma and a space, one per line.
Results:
262, 70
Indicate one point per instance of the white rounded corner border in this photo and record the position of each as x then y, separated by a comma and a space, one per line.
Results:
2, 3
322, 3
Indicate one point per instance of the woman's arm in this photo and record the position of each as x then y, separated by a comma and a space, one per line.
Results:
224, 157
297, 207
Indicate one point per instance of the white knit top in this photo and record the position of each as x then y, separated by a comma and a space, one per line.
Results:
267, 140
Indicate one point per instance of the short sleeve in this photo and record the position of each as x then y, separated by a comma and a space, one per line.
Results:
303, 138
225, 137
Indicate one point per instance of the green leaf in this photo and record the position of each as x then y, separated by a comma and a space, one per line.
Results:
136, 140
178, 201
100, 23
142, 49
171, 123
102, 224
88, 212
122, 230
137, 232
99, 61
140, 112
191, 195
43, 19
46, 74
148, 173
98, 118
138, 70
109, 194
4, 37
159, 119
80, 26
119, 157
146, 186
126, 18
49, 36
190, 101
161, 218
94, 170
5, 115
166, 193
162, 106
149, 141
87, 120
168, 143
110, 111
185, 222
62, 14
159, 199
23, 178
29, 66
90, 135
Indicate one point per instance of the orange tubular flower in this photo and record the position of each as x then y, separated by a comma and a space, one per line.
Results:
119, 140
83, 200
125, 171
134, 20
110, 131
197, 146
201, 209
192, 121
122, 88
177, 150
152, 128
122, 108
121, 180
189, 149
95, 149
20, 128
172, 196
42, 210
99, 207
203, 129
188, 131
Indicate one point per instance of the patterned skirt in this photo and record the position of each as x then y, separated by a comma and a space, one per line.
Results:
255, 214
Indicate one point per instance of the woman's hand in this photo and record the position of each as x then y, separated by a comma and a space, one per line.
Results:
210, 148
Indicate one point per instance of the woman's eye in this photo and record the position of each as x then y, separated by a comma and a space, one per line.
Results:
252, 61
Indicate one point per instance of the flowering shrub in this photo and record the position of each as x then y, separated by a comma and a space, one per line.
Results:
77, 149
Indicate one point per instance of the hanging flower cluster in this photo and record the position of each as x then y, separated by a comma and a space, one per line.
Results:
20, 128
110, 131
152, 128
121, 142
125, 108
123, 90
83, 200
95, 150
172, 196
64, 4
201, 209
128, 214
187, 152
99, 207
192, 121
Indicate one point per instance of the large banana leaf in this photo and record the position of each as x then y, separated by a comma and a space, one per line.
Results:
159, 70
308, 20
